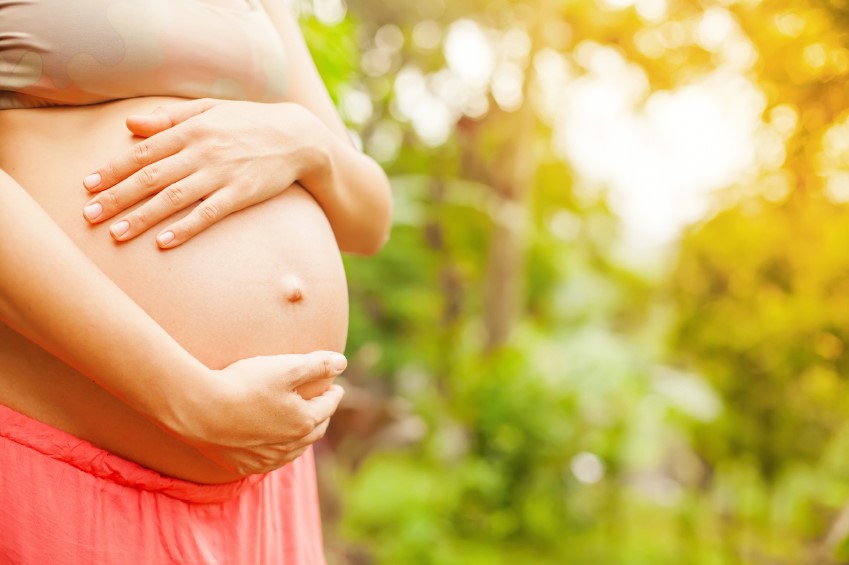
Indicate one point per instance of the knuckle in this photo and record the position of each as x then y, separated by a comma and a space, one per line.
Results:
202, 129
141, 152
148, 176
108, 171
302, 428
247, 468
174, 193
109, 200
224, 200
183, 160
215, 148
209, 212
139, 217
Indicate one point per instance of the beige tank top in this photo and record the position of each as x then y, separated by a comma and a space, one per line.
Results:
73, 52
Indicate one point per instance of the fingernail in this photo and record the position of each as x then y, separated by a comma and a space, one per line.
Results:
165, 238
93, 211
120, 228
92, 180
338, 362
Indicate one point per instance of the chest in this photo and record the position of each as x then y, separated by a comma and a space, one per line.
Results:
85, 51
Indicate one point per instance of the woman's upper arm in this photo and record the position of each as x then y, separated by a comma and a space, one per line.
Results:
305, 86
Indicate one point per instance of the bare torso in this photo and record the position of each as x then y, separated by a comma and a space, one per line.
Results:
266, 280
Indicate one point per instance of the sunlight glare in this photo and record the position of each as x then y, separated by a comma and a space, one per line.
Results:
714, 29
477, 105
468, 53
330, 12
433, 121
357, 106
618, 4
376, 62
389, 37
587, 468
507, 86
837, 187
659, 160
430, 117
385, 141
427, 34
784, 119
515, 46
651, 10
449, 88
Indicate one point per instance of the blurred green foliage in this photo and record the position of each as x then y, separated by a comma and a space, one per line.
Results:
519, 392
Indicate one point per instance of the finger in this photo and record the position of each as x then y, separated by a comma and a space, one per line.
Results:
132, 160
204, 215
322, 407
312, 432
316, 434
173, 198
164, 117
253, 462
137, 187
295, 454
282, 459
267, 458
244, 461
317, 365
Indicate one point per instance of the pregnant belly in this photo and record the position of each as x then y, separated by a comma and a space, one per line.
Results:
266, 280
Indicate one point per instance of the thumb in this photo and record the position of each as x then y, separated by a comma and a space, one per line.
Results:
164, 117
318, 365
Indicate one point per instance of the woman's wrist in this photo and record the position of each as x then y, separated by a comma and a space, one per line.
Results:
185, 388
315, 158
350, 187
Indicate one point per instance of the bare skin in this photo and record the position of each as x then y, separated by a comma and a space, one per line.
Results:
265, 281
206, 149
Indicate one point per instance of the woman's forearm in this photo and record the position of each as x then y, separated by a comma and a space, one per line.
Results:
51, 293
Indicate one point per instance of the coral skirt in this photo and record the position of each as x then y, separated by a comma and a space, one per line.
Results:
65, 501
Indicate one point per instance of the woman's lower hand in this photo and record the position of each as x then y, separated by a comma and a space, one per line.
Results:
227, 154
253, 419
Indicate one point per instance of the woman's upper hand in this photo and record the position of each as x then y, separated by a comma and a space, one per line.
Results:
257, 416
227, 154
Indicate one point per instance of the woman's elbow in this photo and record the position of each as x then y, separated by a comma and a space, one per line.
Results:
371, 239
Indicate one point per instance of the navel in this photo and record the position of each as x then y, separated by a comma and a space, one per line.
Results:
293, 289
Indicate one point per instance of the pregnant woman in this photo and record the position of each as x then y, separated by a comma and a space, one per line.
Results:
162, 359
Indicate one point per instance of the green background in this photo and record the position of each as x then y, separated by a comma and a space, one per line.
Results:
523, 394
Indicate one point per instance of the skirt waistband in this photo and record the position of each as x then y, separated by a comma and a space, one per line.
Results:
88, 458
